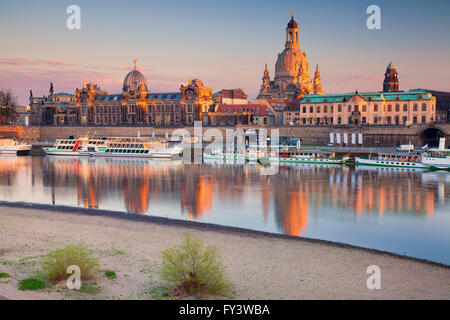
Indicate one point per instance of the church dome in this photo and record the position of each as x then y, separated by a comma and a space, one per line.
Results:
135, 80
289, 61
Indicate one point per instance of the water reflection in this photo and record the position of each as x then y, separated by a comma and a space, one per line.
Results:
299, 200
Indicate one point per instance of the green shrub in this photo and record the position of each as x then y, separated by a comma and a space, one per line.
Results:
4, 275
31, 284
194, 269
110, 274
54, 264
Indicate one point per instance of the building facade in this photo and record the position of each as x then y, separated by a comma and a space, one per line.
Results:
240, 114
135, 105
368, 108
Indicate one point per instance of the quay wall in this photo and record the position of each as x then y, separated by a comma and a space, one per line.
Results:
384, 136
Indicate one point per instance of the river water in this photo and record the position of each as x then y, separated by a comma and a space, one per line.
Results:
405, 212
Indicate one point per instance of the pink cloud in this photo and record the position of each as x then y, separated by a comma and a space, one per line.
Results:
19, 62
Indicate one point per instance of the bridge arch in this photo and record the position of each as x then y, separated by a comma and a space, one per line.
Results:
431, 135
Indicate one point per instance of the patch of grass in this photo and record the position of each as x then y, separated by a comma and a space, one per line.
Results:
158, 292
31, 284
4, 275
90, 288
110, 274
115, 252
193, 268
55, 264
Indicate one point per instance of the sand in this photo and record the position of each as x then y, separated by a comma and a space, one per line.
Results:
261, 266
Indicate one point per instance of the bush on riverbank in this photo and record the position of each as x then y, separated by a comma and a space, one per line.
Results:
55, 263
193, 268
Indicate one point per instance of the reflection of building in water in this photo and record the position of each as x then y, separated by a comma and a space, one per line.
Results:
295, 192
382, 191
137, 196
196, 194
9, 166
291, 201
137, 179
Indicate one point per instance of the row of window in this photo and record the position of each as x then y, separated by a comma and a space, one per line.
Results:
126, 151
132, 108
126, 145
364, 108
376, 120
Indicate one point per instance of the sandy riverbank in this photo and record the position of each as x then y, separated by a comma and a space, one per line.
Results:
261, 266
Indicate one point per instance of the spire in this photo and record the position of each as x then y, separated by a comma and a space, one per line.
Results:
51, 88
317, 73
135, 60
292, 15
317, 81
390, 65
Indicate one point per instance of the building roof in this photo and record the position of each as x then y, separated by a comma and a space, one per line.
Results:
256, 109
135, 80
109, 97
369, 96
164, 96
157, 96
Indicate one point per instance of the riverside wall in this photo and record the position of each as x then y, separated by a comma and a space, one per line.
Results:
385, 136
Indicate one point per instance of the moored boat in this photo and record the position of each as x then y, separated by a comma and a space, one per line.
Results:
437, 159
14, 147
401, 160
303, 156
116, 147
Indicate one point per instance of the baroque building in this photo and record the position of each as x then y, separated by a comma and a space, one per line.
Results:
292, 78
135, 105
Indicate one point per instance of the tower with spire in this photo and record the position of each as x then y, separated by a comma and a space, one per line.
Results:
390, 83
317, 82
265, 81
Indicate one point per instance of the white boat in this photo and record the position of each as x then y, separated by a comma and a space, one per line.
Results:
12, 146
288, 155
251, 154
400, 160
116, 147
437, 159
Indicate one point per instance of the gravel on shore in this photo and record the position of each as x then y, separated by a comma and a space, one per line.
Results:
261, 266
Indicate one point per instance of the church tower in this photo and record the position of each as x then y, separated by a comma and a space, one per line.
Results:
292, 75
317, 82
292, 34
390, 82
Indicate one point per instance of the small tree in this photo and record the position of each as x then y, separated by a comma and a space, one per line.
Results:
194, 269
8, 104
55, 263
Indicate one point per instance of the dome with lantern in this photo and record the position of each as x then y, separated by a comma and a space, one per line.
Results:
135, 81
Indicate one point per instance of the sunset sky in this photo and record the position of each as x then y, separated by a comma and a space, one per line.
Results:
224, 43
